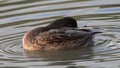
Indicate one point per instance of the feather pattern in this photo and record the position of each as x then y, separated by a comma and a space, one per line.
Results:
55, 36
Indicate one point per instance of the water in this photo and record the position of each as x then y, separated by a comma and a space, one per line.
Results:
19, 16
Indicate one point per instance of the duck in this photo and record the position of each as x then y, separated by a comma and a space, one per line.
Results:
61, 34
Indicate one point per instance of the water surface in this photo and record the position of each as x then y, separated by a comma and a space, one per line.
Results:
19, 16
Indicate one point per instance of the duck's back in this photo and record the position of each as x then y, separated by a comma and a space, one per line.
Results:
44, 39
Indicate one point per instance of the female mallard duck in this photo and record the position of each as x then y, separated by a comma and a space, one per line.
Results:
61, 34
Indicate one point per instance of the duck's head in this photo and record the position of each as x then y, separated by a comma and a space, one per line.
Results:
64, 22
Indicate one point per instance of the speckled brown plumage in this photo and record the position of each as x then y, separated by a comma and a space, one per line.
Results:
62, 36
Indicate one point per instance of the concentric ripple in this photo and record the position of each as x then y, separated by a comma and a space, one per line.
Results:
19, 16
11, 44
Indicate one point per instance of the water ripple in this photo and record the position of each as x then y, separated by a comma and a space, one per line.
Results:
19, 16
11, 44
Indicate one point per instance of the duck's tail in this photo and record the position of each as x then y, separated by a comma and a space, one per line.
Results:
96, 32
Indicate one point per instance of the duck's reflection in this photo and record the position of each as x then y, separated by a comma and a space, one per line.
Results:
56, 55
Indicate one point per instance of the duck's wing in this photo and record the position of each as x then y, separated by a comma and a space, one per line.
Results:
79, 34
59, 35
52, 36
